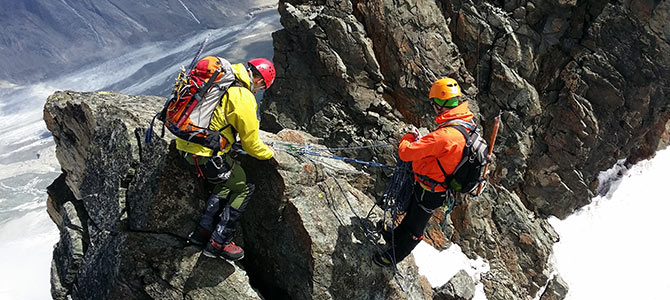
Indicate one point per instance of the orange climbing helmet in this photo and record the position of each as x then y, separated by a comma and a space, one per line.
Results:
445, 92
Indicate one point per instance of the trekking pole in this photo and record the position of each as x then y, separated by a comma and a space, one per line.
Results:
494, 133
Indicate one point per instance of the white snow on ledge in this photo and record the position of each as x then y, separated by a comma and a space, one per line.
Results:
617, 246
440, 266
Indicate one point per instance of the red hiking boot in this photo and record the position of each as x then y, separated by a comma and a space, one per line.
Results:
228, 251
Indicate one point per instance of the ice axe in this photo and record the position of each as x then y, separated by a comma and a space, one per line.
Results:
494, 134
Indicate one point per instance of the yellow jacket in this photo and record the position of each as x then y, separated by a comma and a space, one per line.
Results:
237, 108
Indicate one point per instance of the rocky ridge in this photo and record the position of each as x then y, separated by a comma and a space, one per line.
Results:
579, 85
574, 96
125, 209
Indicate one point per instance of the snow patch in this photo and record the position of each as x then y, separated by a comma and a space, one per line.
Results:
25, 256
619, 240
440, 266
189, 11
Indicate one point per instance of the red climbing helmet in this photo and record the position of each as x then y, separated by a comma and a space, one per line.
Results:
265, 68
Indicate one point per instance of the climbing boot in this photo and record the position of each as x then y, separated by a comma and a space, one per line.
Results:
228, 251
381, 259
199, 236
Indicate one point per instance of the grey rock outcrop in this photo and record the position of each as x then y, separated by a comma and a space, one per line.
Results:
459, 287
556, 289
125, 208
579, 85
123, 212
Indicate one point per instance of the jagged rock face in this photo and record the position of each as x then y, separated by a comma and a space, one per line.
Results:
460, 287
574, 96
123, 212
556, 289
579, 85
125, 209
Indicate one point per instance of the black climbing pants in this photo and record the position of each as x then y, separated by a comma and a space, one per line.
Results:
410, 231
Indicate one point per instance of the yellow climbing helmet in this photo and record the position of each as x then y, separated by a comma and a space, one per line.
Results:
445, 92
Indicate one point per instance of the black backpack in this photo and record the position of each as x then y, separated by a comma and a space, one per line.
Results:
469, 172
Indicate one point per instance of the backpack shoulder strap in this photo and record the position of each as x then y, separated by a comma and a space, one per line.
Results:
469, 140
469, 136
447, 177
205, 88
238, 84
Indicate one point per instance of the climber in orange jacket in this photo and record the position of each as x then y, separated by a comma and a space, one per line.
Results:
434, 157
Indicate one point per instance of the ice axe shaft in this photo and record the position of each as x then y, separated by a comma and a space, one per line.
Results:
494, 134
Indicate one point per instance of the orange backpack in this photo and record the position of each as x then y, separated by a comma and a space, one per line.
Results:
194, 98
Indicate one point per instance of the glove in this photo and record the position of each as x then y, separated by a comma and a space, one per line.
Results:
416, 132
410, 137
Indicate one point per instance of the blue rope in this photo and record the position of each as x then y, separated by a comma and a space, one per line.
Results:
293, 145
351, 160
399, 189
306, 150
355, 147
149, 133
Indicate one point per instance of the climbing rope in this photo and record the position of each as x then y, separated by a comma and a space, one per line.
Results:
394, 200
306, 149
371, 235
333, 149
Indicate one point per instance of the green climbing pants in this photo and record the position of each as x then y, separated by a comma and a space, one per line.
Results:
227, 201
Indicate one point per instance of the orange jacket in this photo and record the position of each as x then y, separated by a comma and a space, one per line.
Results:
445, 144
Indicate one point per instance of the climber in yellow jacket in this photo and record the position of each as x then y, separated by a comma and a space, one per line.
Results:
235, 115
